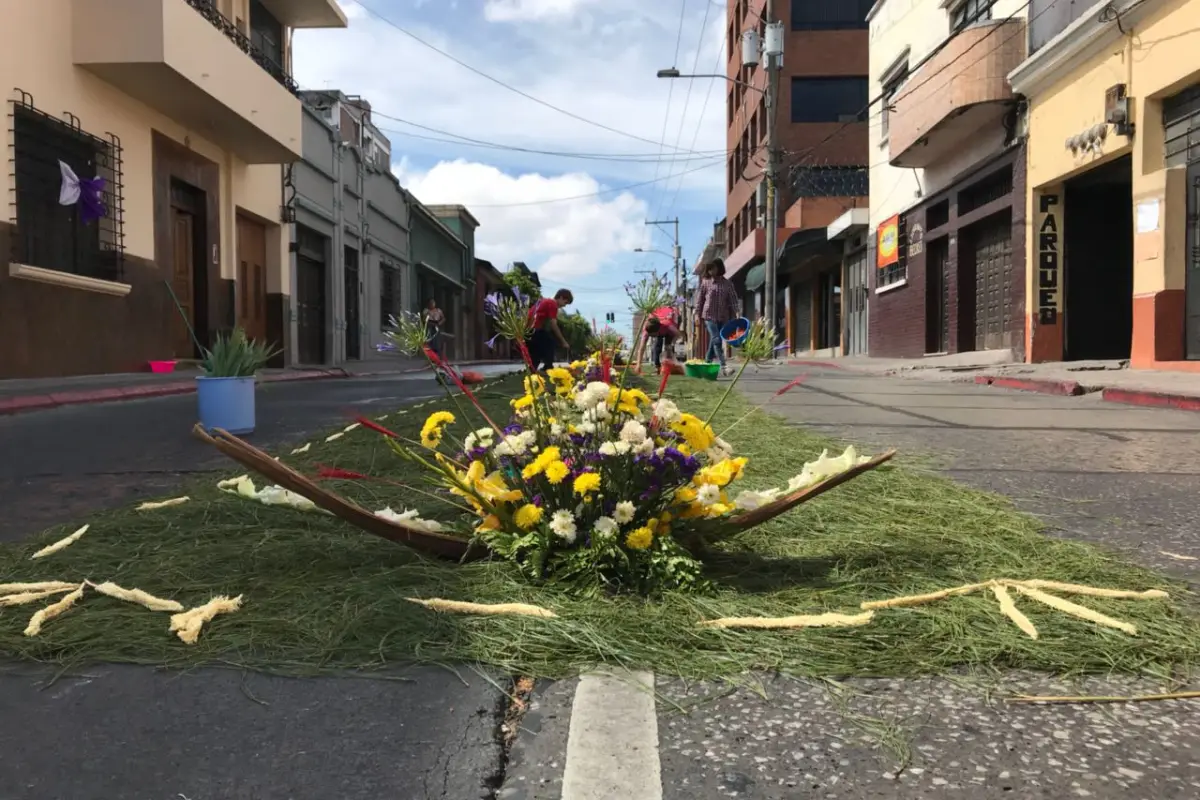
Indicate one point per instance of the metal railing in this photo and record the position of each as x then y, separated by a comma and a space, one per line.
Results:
208, 10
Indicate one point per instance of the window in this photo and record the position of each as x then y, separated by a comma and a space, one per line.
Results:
827, 15
266, 33
830, 181
50, 235
969, 12
389, 293
829, 99
891, 86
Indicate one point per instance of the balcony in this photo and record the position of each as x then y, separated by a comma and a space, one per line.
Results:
189, 63
307, 13
960, 91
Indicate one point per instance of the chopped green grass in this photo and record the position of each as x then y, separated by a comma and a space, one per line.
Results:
320, 595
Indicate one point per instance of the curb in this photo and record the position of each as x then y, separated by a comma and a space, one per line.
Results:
800, 362
42, 402
1060, 388
1137, 397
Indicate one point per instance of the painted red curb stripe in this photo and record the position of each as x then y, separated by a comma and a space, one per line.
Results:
1157, 399
1062, 388
18, 405
794, 362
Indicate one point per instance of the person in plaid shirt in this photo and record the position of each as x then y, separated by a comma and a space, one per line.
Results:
716, 304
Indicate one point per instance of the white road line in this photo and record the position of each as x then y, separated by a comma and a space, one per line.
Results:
612, 746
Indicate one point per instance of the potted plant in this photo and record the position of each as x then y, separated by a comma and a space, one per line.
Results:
225, 393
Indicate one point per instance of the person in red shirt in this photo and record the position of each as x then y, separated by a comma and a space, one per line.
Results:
545, 334
663, 326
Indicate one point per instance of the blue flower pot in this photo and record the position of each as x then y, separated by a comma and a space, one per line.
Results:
226, 403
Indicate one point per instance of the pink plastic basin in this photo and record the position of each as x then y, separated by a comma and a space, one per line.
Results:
162, 366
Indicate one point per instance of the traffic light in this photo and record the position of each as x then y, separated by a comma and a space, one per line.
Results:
611, 316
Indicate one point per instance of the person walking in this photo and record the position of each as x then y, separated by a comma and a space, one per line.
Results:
543, 320
434, 320
663, 327
716, 304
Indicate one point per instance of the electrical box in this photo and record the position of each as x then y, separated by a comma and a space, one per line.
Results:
773, 46
751, 48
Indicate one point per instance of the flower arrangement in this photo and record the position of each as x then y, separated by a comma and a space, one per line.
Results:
588, 480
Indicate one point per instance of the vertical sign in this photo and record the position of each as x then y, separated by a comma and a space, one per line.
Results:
1049, 257
887, 243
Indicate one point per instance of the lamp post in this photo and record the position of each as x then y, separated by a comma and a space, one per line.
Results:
772, 50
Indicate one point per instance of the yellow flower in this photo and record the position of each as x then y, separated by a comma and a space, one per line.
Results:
539, 464
586, 483
699, 437
431, 431
685, 494
522, 402
490, 523
639, 539
535, 385
562, 379
556, 471
527, 516
627, 400
665, 518
721, 473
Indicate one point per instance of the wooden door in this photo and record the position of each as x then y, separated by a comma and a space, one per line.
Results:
937, 319
252, 277
183, 270
993, 279
310, 306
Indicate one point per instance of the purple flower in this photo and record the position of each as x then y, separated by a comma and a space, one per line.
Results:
491, 304
538, 500
521, 298
491, 343
513, 430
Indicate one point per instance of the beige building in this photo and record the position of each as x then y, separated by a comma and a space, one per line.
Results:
1113, 244
187, 110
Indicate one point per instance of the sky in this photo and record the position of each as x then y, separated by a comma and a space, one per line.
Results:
576, 208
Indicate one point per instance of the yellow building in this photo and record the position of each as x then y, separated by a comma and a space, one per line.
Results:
1114, 123
186, 109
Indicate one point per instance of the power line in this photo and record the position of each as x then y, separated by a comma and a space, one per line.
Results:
466, 141
497, 81
670, 94
687, 100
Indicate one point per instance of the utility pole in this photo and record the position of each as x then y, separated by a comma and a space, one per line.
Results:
675, 251
773, 56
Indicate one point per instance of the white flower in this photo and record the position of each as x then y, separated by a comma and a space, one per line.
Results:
750, 500
608, 449
624, 512
605, 526
563, 524
666, 410
516, 444
709, 494
586, 427
484, 437
556, 430
602, 412
410, 519
633, 432
826, 467
645, 448
622, 447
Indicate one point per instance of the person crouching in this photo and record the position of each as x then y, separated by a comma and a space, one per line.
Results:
663, 328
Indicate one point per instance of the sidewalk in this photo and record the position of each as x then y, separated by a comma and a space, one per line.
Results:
1113, 380
37, 394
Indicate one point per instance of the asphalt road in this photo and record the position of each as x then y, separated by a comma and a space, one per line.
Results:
137, 733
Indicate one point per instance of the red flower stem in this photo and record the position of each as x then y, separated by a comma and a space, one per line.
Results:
770, 400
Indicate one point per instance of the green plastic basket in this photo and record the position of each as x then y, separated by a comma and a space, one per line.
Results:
708, 372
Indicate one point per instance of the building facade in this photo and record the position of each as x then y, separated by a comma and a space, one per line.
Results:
821, 133
440, 273
473, 323
186, 109
349, 259
1114, 170
947, 211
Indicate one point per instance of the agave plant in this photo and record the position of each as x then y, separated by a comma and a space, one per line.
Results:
236, 356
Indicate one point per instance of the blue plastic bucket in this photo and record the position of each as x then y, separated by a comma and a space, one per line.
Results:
226, 403
731, 327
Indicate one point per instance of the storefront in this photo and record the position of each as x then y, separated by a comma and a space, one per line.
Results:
950, 271
1114, 105
853, 290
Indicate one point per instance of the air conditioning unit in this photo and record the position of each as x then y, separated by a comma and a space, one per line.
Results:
1117, 110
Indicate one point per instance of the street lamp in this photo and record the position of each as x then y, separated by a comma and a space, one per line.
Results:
656, 252
674, 73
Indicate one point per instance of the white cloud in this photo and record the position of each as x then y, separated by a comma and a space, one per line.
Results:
565, 239
523, 10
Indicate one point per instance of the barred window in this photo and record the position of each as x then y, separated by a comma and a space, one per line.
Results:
841, 181
54, 236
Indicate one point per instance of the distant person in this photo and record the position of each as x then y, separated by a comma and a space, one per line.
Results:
663, 327
716, 304
434, 320
546, 334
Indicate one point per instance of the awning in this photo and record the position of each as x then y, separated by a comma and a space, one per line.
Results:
756, 277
